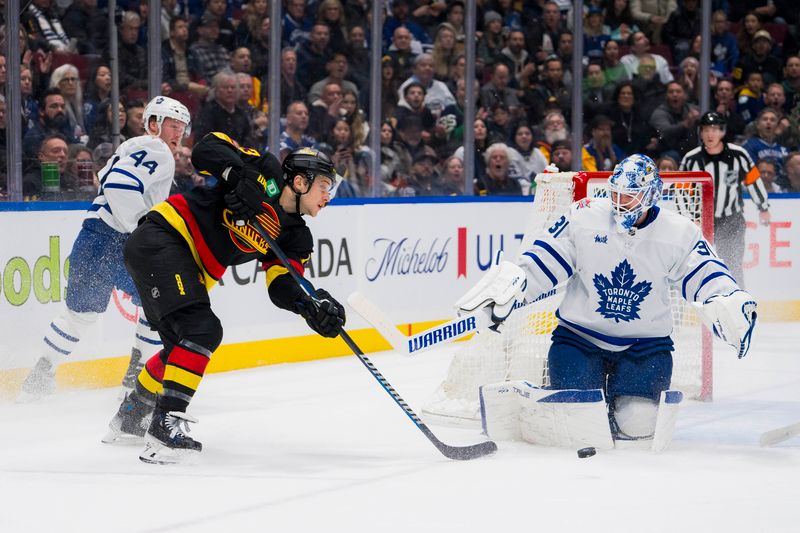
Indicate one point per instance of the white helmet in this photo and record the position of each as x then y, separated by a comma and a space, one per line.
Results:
162, 107
636, 175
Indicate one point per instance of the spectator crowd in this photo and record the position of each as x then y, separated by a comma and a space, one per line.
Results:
640, 87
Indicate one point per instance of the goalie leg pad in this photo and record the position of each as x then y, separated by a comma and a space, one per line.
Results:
665, 422
633, 418
563, 418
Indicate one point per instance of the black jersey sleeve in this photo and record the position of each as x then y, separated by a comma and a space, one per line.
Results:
216, 151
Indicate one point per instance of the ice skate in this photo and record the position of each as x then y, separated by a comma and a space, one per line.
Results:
166, 441
40, 382
130, 423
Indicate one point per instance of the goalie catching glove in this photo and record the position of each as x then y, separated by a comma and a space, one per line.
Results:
732, 317
323, 313
247, 194
499, 292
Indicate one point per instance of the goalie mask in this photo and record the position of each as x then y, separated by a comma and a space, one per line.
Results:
162, 107
634, 187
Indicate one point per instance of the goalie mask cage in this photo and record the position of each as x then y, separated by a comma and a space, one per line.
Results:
520, 350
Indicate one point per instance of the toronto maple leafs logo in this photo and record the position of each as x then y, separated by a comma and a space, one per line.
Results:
620, 298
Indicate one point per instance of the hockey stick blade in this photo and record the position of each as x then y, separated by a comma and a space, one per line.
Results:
451, 452
776, 436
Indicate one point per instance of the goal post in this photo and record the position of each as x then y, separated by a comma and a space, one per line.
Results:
520, 350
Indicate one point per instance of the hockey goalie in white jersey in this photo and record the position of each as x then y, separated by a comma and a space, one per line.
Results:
610, 361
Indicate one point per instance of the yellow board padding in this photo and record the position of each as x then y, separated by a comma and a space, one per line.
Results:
108, 372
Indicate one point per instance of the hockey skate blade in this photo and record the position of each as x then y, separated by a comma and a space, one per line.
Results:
118, 438
157, 454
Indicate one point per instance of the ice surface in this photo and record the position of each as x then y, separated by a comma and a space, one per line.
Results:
321, 447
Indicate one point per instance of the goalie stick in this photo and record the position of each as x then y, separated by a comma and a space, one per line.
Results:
451, 452
770, 438
425, 340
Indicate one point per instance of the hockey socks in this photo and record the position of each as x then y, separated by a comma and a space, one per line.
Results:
182, 375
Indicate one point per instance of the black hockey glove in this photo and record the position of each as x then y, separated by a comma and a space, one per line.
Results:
245, 199
323, 314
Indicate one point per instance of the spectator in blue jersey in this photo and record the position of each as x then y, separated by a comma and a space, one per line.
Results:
294, 134
296, 24
764, 144
751, 98
595, 33
601, 147
724, 50
400, 17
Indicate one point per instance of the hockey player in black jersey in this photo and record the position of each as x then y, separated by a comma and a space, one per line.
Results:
183, 247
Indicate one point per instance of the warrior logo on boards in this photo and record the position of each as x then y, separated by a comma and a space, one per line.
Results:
620, 297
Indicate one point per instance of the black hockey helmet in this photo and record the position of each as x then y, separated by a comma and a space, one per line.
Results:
712, 118
310, 163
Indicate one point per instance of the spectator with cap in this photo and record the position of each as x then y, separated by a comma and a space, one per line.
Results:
759, 59
205, 53
561, 155
424, 180
215, 9
491, 42
595, 33
601, 147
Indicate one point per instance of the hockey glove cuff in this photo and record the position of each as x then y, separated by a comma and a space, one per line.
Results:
499, 292
732, 317
323, 314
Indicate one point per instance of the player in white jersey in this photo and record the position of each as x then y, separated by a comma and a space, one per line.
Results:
138, 176
619, 257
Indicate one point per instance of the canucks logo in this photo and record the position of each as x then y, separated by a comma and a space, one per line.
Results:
620, 297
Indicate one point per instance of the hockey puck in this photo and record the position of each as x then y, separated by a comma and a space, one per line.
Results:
586, 452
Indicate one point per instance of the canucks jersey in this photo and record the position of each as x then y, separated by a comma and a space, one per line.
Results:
138, 176
618, 284
202, 219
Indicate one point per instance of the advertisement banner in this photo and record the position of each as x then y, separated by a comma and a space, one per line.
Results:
413, 259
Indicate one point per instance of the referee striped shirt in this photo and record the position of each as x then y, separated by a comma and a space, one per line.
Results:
732, 169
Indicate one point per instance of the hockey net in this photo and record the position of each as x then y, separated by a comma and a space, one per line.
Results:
520, 351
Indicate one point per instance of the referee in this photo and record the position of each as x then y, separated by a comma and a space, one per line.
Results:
732, 170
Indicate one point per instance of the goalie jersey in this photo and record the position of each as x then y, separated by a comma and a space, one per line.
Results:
137, 177
618, 284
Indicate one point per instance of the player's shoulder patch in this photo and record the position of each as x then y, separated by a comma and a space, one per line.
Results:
584, 203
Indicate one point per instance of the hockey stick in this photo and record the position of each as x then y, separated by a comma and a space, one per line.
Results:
451, 452
778, 435
430, 338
